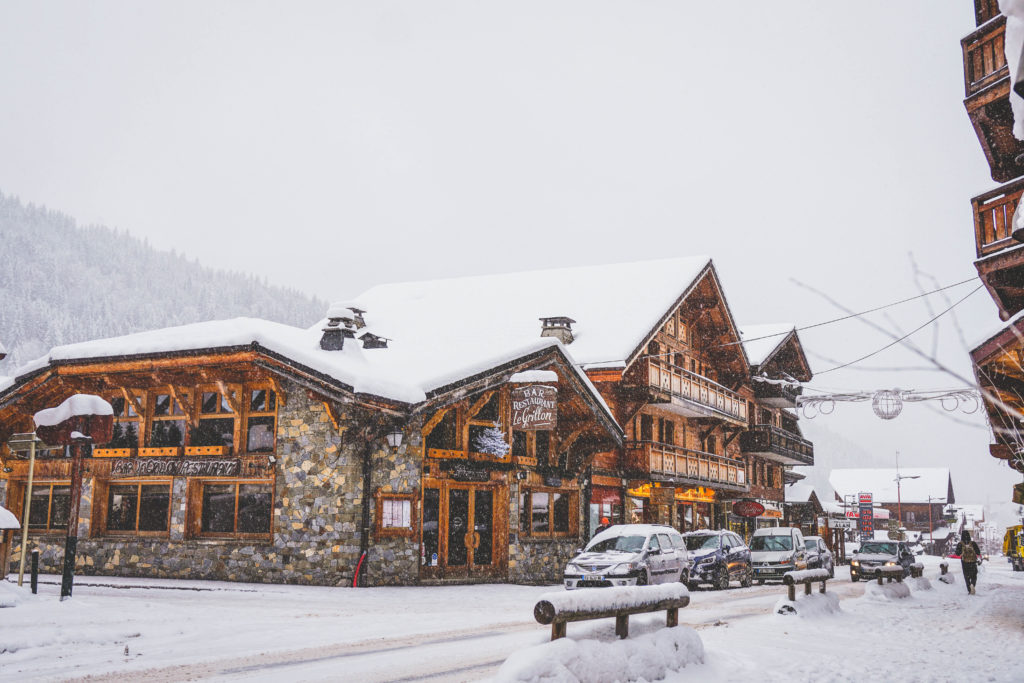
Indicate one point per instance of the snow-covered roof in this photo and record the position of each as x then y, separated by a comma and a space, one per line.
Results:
916, 483
799, 492
615, 306
764, 340
407, 371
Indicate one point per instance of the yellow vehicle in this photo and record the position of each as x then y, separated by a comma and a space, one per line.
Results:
1013, 547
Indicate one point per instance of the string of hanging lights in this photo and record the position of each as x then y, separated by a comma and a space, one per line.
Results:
887, 404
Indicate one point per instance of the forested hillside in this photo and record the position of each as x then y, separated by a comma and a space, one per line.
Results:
61, 283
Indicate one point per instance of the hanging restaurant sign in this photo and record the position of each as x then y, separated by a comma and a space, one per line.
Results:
534, 407
747, 508
175, 467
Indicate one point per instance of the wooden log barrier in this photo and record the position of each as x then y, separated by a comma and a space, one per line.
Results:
806, 577
944, 568
584, 604
916, 570
889, 573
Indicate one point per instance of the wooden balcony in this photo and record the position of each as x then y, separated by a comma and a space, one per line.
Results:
984, 56
987, 86
674, 464
777, 395
985, 10
1000, 261
778, 445
692, 395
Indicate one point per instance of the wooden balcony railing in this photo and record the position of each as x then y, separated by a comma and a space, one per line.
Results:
791, 448
674, 461
688, 386
993, 217
984, 56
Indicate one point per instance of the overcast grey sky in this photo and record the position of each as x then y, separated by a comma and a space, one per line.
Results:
332, 146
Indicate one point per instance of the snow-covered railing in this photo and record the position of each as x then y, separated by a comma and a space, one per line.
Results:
916, 570
806, 577
558, 609
889, 573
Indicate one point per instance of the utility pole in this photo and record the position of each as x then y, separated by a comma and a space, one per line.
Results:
931, 537
899, 478
13, 443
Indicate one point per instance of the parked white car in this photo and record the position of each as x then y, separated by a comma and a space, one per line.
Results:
629, 555
775, 551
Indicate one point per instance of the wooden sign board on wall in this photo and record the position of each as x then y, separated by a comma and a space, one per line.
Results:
534, 407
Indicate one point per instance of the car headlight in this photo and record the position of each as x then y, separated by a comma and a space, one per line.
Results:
706, 560
854, 563
890, 564
573, 569
624, 568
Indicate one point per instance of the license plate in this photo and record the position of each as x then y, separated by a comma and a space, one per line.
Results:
594, 577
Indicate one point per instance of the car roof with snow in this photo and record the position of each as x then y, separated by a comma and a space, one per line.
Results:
707, 532
634, 530
775, 531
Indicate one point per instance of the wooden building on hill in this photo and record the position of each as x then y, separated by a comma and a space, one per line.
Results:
991, 64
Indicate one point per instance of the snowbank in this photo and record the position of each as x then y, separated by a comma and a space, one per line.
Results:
886, 592
919, 584
650, 657
814, 605
11, 595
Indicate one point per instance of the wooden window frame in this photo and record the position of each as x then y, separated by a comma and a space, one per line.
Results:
221, 413
195, 509
470, 411
152, 418
247, 391
381, 531
131, 415
100, 512
574, 502
36, 486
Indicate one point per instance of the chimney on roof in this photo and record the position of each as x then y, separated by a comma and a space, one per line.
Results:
341, 325
559, 327
373, 341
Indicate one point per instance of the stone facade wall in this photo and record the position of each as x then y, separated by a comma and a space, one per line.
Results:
318, 481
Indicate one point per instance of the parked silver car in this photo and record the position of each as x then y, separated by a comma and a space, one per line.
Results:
629, 555
818, 555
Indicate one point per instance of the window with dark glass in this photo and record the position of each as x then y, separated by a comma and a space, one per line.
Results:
540, 514
543, 447
216, 424
50, 507
546, 513
168, 422
126, 424
646, 428
261, 421
138, 507
519, 444
559, 512
236, 508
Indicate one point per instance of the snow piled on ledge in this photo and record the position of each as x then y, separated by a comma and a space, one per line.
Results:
649, 657
79, 404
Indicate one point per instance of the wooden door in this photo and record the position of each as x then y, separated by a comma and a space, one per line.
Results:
460, 533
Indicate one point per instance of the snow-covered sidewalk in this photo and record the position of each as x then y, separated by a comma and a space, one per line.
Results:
173, 630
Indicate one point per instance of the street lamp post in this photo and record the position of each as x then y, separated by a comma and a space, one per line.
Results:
931, 538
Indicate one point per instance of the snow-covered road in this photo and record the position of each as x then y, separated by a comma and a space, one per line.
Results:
196, 630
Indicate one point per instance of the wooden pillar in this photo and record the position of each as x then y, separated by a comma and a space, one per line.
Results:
557, 630
791, 592
622, 626
672, 616
807, 588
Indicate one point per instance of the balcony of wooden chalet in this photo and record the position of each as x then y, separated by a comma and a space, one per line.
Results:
1000, 261
776, 444
672, 464
691, 395
777, 394
987, 86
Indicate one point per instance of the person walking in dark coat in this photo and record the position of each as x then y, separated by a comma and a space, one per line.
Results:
969, 554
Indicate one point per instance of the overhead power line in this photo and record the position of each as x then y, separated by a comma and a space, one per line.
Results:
857, 315
897, 341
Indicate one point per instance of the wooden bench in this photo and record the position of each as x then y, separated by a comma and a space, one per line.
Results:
584, 604
806, 577
889, 573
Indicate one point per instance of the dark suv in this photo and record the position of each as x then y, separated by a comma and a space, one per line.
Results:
874, 554
717, 557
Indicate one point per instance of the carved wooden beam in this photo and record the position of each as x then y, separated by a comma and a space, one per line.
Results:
282, 397
567, 443
730, 435
332, 412
132, 400
183, 401
480, 403
229, 396
429, 425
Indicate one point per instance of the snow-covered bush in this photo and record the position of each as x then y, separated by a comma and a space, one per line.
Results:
814, 605
491, 441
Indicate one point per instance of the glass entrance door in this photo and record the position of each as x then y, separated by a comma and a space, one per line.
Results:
458, 532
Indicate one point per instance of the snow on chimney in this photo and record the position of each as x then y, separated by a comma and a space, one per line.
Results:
341, 325
559, 327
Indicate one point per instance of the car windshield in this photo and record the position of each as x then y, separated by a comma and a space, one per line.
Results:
811, 545
618, 544
771, 543
701, 542
878, 548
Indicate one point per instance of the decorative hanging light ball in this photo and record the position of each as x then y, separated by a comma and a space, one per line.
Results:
887, 403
